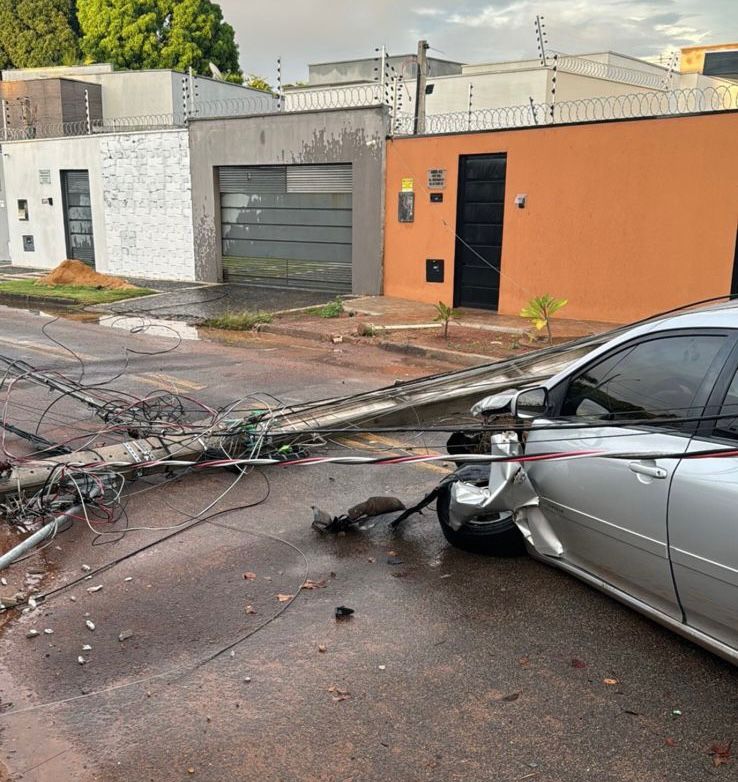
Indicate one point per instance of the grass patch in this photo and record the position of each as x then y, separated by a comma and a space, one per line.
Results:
334, 309
81, 294
239, 321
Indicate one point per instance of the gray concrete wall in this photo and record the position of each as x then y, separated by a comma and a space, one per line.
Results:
355, 136
4, 234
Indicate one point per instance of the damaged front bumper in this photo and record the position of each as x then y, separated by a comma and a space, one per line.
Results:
508, 492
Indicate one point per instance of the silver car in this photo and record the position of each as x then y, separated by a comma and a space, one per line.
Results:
633, 489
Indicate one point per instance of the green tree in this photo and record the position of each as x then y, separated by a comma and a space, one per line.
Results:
178, 34
38, 33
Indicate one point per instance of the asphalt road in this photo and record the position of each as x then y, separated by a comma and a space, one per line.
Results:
453, 667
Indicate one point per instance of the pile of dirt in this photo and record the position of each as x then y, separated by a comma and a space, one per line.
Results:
72, 272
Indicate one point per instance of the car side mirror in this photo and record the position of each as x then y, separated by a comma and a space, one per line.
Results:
530, 403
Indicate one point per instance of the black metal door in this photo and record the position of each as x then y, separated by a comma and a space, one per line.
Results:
78, 216
479, 230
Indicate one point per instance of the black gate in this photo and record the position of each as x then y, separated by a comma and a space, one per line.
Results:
479, 231
78, 216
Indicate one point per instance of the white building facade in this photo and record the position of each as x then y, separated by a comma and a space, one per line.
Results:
138, 213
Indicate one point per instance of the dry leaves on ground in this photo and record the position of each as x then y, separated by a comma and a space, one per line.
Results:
250, 610
721, 752
338, 694
284, 598
249, 576
310, 584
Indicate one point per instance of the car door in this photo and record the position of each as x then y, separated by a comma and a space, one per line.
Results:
703, 521
610, 515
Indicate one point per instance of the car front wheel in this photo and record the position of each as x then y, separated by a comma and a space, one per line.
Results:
493, 536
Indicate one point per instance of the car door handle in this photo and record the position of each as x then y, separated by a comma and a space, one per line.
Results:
647, 469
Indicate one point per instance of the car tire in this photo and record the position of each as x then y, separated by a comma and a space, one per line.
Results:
497, 539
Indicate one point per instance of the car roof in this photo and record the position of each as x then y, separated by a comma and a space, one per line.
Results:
723, 315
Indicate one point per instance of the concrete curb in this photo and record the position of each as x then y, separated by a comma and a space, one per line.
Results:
13, 299
439, 354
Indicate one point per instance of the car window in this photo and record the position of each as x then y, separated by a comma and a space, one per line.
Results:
655, 379
728, 427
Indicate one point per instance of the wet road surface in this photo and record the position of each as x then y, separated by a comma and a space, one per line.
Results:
453, 667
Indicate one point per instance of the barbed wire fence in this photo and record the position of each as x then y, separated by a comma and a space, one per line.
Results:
633, 106
656, 103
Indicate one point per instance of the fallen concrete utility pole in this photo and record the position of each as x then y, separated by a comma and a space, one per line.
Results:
414, 401
128, 458
449, 393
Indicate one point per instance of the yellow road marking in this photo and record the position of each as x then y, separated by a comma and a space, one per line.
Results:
20, 344
161, 380
366, 442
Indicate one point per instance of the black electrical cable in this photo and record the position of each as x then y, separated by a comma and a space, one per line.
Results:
53, 592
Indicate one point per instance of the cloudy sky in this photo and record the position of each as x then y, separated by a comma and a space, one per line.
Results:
303, 31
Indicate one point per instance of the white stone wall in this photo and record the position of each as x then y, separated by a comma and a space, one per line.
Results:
147, 196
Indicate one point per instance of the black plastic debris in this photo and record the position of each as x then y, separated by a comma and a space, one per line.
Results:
374, 506
343, 613
381, 506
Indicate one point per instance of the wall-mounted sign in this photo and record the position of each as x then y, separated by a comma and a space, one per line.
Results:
44, 176
408, 185
436, 178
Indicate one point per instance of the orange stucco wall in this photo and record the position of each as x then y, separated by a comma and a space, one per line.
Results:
623, 219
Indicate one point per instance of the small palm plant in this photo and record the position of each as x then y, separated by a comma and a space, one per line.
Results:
445, 314
540, 309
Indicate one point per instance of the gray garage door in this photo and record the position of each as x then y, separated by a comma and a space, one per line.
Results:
287, 225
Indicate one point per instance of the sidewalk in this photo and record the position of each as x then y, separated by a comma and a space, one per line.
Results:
409, 326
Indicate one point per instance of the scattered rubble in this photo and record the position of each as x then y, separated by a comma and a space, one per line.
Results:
32, 633
90, 624
94, 589
125, 635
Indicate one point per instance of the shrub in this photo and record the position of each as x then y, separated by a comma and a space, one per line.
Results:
539, 311
445, 314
